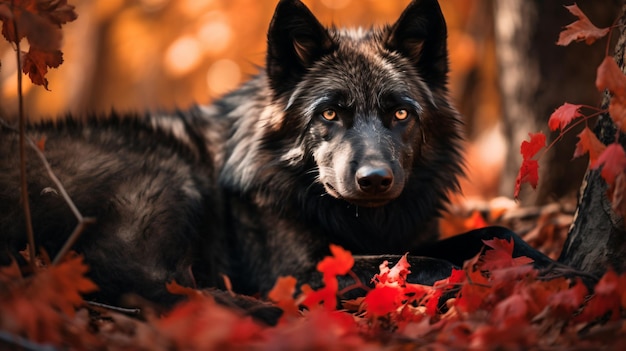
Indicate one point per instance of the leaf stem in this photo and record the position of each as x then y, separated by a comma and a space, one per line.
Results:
571, 126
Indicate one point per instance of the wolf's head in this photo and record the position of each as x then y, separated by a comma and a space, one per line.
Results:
369, 107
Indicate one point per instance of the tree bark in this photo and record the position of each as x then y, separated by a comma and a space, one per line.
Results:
597, 238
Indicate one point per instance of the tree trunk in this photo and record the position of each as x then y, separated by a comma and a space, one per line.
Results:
536, 77
597, 238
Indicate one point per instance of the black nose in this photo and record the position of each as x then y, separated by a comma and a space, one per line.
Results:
374, 180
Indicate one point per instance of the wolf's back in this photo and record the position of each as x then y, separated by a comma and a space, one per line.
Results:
149, 182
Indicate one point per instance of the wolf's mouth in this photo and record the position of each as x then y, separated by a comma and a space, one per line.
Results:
364, 201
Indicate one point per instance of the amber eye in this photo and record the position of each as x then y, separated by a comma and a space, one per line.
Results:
401, 114
329, 115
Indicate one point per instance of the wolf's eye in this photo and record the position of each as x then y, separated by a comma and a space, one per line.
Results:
329, 115
401, 114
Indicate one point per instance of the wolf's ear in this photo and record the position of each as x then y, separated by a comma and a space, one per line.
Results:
420, 34
295, 40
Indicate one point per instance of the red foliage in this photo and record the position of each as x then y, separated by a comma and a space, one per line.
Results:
42, 307
589, 143
339, 263
501, 255
529, 170
610, 77
39, 21
563, 116
613, 162
495, 301
580, 30
612, 158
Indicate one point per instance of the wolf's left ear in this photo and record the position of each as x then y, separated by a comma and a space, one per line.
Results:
420, 34
295, 40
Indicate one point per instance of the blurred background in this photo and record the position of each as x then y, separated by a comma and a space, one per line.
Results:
507, 75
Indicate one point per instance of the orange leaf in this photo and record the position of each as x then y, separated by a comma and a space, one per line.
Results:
588, 142
36, 63
563, 116
177, 289
612, 161
283, 295
41, 143
580, 30
475, 221
610, 77
39, 21
42, 306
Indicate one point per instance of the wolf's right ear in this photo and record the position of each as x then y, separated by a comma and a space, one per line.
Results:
295, 40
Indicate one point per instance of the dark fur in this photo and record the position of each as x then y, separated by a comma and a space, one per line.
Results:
258, 184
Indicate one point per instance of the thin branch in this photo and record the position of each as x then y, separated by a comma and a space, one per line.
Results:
83, 222
127, 311
358, 284
557, 270
22, 127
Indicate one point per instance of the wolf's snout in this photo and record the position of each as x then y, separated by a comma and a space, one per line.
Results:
373, 180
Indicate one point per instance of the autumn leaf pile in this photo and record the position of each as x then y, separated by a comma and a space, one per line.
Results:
494, 301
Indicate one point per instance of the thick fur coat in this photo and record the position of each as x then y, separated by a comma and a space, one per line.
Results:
347, 137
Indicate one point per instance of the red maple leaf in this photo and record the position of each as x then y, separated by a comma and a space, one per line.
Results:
530, 148
36, 63
42, 306
393, 276
383, 300
202, 324
565, 302
563, 116
339, 263
39, 21
589, 143
501, 255
610, 77
529, 170
283, 295
580, 30
612, 161
528, 173
475, 288
607, 298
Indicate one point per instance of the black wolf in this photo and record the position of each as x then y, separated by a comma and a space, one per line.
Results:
347, 137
